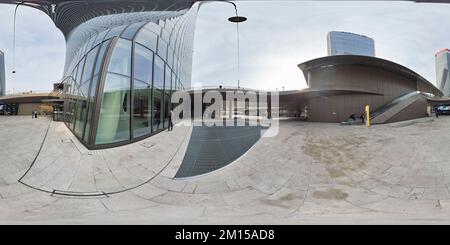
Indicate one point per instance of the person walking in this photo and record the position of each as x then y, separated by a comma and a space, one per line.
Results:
170, 121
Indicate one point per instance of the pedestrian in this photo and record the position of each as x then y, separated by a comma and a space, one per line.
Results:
170, 121
32, 114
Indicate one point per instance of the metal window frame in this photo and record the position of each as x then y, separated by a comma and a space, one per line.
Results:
175, 83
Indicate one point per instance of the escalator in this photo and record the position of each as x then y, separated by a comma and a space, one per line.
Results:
387, 111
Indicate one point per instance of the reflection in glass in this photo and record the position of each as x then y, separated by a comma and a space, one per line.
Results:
114, 120
143, 63
120, 61
79, 71
81, 108
147, 38
101, 56
158, 76
170, 57
157, 109
100, 37
90, 59
162, 49
131, 30
141, 111
70, 112
91, 101
167, 88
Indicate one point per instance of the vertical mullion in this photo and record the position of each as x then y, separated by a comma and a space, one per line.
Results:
132, 91
152, 94
90, 89
100, 86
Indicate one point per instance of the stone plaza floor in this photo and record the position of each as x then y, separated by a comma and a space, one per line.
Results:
310, 173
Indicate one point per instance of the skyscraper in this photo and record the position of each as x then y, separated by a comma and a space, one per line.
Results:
346, 43
442, 71
2, 74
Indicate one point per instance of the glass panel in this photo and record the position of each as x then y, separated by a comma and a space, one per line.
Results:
143, 63
68, 109
153, 27
91, 42
162, 49
157, 104
147, 38
115, 31
100, 58
91, 101
100, 37
90, 59
83, 49
173, 88
168, 77
131, 30
80, 116
114, 121
69, 112
141, 111
158, 76
167, 86
175, 60
170, 57
80, 69
165, 35
120, 61
74, 107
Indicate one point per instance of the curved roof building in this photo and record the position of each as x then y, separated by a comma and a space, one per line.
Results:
341, 86
124, 59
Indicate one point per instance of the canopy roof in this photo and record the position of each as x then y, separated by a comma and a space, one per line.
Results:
68, 14
368, 61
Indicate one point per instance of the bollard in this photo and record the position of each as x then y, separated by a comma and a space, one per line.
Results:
367, 116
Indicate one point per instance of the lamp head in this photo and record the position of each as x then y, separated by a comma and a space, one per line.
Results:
237, 19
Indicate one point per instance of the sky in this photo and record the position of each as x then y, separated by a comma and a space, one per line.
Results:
40, 49
277, 37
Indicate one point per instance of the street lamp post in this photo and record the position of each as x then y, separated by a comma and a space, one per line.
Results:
237, 19
234, 19
14, 36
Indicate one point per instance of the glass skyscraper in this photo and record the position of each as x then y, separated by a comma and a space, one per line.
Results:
442, 71
2, 74
346, 43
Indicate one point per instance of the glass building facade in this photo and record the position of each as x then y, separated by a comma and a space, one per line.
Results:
442, 71
2, 74
119, 82
346, 43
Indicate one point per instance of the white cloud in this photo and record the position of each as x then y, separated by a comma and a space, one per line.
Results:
279, 35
